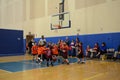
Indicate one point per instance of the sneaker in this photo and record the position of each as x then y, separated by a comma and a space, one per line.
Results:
68, 63
62, 62
58, 60
83, 62
47, 64
52, 64
36, 61
78, 62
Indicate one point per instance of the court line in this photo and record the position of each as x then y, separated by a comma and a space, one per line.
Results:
40, 67
6, 71
92, 77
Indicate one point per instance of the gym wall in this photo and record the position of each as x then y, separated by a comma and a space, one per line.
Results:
94, 19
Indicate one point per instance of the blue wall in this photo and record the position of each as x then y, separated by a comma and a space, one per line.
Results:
9, 45
11, 42
112, 40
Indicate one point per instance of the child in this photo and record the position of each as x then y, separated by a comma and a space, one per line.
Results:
48, 56
55, 53
72, 44
96, 50
65, 53
34, 51
40, 53
80, 54
88, 52
103, 51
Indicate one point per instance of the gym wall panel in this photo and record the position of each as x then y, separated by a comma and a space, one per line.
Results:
12, 14
102, 18
80, 4
66, 9
24, 10
87, 3
11, 42
9, 19
114, 0
37, 9
18, 12
0, 16
53, 6
0, 3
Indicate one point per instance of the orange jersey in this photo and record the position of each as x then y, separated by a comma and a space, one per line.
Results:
65, 47
34, 49
41, 50
55, 50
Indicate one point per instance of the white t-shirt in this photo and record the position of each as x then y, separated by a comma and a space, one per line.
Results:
42, 41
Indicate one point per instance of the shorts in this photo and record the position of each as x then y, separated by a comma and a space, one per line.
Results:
65, 56
34, 54
80, 55
42, 56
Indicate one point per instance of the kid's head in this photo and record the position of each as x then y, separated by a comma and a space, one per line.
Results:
103, 44
88, 46
96, 44
34, 43
80, 43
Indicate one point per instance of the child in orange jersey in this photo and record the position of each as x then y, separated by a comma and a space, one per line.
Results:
34, 51
40, 53
65, 49
55, 53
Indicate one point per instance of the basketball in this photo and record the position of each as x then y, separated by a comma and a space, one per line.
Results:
54, 58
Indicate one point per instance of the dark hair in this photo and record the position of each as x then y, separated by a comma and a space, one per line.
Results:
81, 43
119, 48
77, 39
103, 43
42, 36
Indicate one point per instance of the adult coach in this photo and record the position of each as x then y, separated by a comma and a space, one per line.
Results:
42, 41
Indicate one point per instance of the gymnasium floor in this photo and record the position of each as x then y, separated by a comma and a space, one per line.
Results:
22, 68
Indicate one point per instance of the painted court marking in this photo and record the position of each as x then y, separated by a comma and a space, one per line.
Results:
93, 77
5, 71
26, 64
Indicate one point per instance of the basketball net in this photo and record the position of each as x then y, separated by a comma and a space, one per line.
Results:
57, 26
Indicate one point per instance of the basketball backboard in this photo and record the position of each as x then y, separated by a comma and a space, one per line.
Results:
60, 21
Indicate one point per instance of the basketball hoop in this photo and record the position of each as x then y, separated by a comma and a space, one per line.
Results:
57, 26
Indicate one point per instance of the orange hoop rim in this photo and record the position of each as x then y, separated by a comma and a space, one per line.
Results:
57, 26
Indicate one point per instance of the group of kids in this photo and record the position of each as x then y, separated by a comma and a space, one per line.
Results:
52, 52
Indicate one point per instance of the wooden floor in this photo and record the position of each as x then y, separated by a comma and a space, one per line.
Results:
92, 70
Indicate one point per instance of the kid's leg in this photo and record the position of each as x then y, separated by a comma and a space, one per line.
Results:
47, 62
33, 57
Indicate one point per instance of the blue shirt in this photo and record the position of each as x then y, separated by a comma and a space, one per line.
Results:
103, 48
